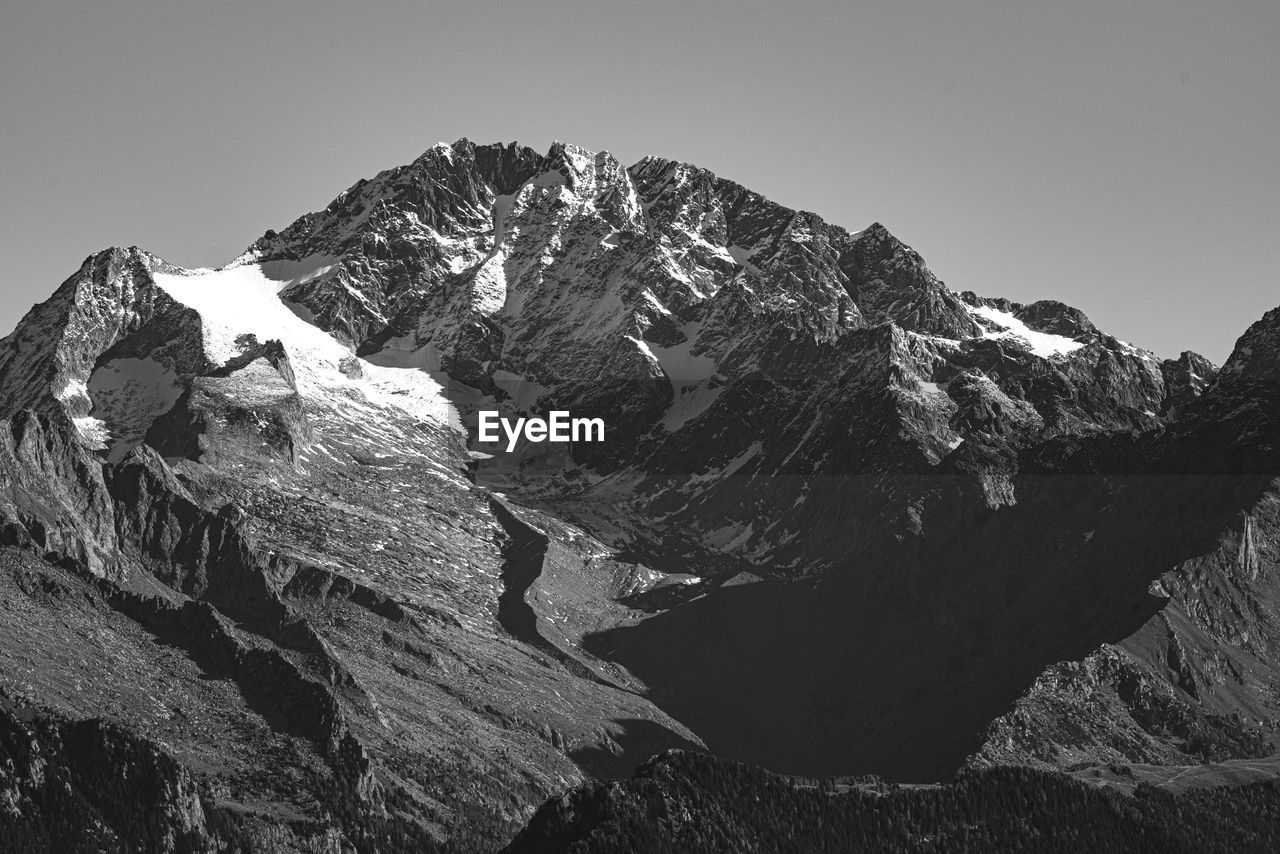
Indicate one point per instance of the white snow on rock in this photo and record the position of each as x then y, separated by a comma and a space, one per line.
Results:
547, 180
577, 158
655, 302
689, 375
489, 285
643, 347
403, 354
1006, 325
74, 395
1142, 353
243, 300
95, 433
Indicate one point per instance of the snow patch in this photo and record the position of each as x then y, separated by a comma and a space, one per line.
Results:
1006, 325
93, 431
656, 303
489, 285
690, 377
444, 149
241, 301
578, 159
73, 393
643, 347
236, 301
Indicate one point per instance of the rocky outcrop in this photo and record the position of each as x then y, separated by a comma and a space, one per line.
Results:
1185, 379
49, 359
89, 785
244, 411
53, 497
890, 282
294, 702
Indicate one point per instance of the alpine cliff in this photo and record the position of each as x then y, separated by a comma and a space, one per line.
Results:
263, 588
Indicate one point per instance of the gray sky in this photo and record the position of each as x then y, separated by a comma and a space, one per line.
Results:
1118, 156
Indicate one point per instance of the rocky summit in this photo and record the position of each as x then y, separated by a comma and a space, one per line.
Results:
263, 588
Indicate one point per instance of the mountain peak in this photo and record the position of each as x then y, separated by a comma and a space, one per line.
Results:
1256, 356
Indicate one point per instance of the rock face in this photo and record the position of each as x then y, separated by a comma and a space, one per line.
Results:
68, 788
844, 520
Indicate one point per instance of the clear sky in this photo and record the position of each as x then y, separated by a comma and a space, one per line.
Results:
1119, 156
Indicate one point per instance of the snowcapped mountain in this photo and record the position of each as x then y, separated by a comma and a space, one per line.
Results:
844, 520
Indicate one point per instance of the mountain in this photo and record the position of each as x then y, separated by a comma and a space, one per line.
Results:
843, 521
